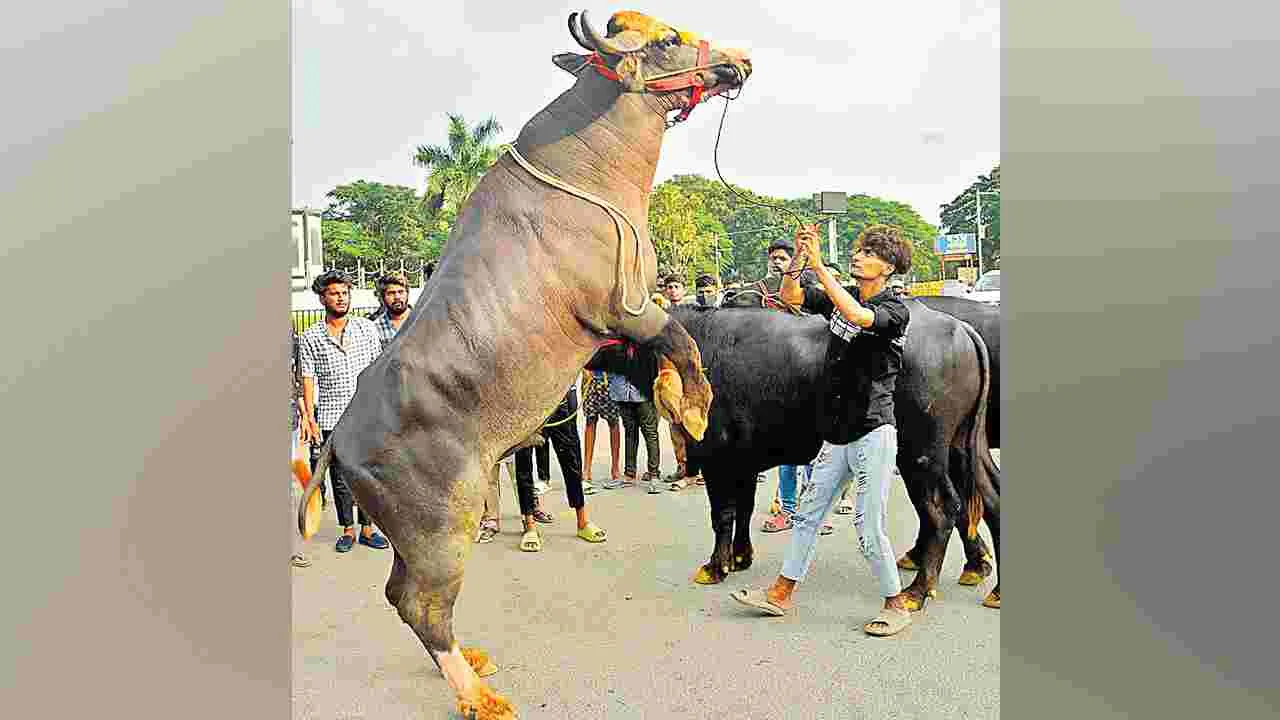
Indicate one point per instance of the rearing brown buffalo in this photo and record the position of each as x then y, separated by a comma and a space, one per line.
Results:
536, 276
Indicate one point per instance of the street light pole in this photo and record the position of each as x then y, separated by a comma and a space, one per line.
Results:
978, 198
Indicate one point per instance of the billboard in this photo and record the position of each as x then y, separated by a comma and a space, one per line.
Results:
956, 244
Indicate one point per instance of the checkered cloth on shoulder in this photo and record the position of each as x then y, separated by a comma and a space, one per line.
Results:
335, 367
386, 331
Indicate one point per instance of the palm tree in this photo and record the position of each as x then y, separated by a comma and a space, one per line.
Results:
456, 168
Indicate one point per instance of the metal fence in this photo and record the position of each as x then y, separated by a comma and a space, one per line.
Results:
303, 319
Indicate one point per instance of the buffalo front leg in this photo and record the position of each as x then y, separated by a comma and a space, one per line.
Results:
431, 544
658, 332
911, 559
720, 494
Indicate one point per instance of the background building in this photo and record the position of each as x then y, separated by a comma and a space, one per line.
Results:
308, 250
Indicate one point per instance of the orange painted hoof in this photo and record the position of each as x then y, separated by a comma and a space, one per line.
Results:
993, 600
906, 563
485, 704
479, 661
971, 577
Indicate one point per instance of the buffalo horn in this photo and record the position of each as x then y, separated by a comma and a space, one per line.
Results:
634, 41
576, 33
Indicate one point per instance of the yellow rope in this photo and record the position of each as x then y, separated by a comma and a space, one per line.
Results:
561, 421
614, 213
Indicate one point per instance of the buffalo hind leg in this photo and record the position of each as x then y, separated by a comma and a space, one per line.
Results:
743, 552
721, 495
978, 557
991, 515
935, 527
426, 577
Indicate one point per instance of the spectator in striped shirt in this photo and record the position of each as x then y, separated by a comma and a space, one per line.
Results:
333, 353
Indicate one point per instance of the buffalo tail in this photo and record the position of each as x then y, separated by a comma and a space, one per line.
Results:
309, 510
976, 443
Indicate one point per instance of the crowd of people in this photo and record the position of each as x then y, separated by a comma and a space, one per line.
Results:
867, 319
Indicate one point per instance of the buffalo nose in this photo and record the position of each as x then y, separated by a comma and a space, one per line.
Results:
739, 57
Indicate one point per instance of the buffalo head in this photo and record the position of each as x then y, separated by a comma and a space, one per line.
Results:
651, 56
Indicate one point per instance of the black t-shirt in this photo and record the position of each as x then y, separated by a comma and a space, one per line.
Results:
862, 365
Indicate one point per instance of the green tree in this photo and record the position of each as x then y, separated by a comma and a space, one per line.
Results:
743, 229
749, 228
685, 236
960, 215
387, 219
345, 243
457, 166
867, 210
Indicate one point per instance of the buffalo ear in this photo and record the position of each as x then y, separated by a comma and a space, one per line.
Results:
571, 63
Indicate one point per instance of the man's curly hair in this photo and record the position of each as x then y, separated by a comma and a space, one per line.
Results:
392, 278
327, 278
888, 243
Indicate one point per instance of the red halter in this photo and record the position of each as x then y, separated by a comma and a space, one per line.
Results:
684, 79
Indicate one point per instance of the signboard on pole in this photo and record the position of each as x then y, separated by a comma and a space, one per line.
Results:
831, 204
956, 244
836, 203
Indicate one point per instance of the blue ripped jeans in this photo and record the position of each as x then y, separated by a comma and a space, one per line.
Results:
870, 461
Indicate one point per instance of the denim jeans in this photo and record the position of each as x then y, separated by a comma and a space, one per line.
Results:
787, 481
869, 461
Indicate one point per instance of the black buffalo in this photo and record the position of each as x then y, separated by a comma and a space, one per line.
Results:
766, 373
986, 320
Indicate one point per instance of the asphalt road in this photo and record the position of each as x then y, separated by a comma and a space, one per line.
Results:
618, 630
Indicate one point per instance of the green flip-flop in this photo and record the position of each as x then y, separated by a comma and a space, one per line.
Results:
592, 534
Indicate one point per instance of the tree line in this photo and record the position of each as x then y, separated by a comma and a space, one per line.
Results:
697, 225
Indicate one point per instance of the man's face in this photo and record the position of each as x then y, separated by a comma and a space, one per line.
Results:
336, 299
779, 260
396, 298
865, 265
674, 291
707, 294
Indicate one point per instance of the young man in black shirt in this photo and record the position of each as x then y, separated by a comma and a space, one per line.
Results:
860, 440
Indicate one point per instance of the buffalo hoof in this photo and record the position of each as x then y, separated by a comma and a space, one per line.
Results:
741, 561
971, 576
708, 575
913, 602
993, 600
694, 421
479, 661
485, 704
906, 563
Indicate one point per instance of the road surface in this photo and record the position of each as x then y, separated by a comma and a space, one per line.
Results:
618, 630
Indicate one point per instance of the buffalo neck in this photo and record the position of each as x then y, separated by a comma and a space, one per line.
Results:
598, 139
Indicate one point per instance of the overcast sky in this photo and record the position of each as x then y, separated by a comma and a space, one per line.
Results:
898, 100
